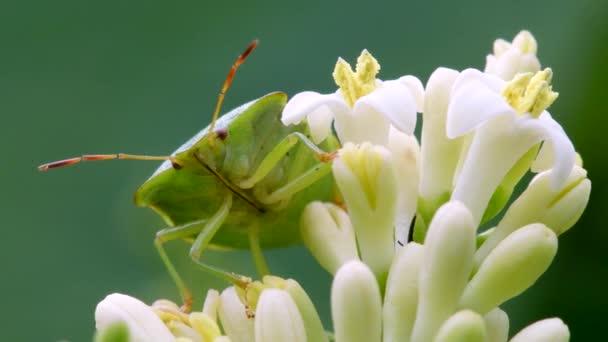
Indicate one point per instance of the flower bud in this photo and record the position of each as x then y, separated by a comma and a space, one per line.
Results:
497, 325
212, 301
356, 305
510, 59
445, 268
558, 210
310, 317
547, 330
464, 325
366, 178
328, 234
277, 318
438, 154
312, 321
512, 267
405, 151
401, 297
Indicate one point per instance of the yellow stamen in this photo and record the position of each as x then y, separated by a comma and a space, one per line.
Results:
530, 93
355, 84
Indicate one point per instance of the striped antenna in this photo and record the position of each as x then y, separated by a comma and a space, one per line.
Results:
227, 83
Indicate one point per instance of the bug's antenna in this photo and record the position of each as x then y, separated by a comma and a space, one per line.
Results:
227, 82
93, 157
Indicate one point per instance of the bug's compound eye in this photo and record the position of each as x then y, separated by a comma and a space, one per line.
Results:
221, 133
176, 165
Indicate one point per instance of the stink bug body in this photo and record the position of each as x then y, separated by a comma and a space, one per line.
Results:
242, 182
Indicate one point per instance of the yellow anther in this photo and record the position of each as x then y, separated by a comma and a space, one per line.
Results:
530, 93
353, 85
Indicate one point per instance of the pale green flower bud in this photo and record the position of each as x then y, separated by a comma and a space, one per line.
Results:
328, 234
366, 178
312, 321
401, 297
405, 152
212, 301
463, 326
233, 316
356, 305
497, 326
277, 318
438, 154
512, 267
547, 330
540, 202
143, 324
445, 268
510, 59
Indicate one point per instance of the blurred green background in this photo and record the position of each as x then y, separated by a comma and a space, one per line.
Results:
142, 77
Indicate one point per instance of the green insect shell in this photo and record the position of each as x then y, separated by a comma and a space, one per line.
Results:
211, 168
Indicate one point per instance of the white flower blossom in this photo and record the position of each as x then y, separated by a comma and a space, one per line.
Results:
143, 324
363, 107
510, 59
508, 119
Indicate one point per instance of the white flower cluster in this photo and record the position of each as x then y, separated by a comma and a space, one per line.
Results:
482, 131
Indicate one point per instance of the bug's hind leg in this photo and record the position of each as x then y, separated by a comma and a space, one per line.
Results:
205, 229
176, 233
256, 251
212, 225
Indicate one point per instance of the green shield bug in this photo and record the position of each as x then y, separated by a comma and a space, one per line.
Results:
242, 182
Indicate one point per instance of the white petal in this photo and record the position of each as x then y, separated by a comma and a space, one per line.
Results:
143, 323
233, 316
496, 147
473, 102
361, 126
562, 149
302, 104
493, 82
369, 121
319, 122
417, 90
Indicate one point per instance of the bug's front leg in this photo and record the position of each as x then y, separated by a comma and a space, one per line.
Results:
278, 152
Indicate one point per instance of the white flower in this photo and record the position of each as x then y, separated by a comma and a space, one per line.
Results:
507, 119
143, 323
510, 59
363, 108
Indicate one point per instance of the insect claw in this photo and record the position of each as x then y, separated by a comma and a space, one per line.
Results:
187, 306
327, 157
